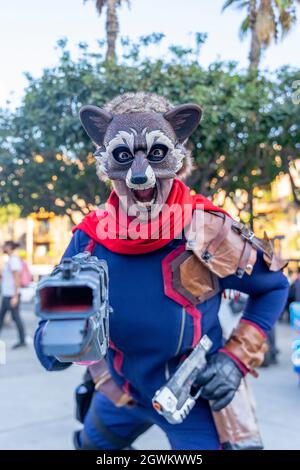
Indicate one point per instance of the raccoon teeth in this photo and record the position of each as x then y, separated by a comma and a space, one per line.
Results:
147, 204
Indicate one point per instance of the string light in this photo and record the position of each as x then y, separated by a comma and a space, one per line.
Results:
39, 159
59, 202
220, 159
90, 159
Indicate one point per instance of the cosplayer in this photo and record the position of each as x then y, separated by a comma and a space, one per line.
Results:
166, 286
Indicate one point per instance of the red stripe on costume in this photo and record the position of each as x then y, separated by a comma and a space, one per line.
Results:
118, 363
167, 276
194, 312
118, 359
178, 298
126, 387
91, 246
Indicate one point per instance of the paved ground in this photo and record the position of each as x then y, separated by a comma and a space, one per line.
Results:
36, 407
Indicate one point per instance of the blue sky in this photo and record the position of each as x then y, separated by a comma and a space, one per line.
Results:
29, 30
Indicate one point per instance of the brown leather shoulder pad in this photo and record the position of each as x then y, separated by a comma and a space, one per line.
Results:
191, 279
217, 246
222, 244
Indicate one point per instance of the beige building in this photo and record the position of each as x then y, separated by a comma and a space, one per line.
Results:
43, 237
279, 216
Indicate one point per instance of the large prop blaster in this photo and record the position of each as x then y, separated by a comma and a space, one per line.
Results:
175, 399
74, 301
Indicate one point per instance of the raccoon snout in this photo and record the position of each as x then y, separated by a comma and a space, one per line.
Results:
141, 179
138, 179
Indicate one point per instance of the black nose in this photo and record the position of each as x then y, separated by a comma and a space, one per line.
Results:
138, 179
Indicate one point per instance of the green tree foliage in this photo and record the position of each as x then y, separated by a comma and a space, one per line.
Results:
9, 213
248, 135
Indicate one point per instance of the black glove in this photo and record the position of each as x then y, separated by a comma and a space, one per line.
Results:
219, 380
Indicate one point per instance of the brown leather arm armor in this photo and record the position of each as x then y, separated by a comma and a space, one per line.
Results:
105, 384
248, 345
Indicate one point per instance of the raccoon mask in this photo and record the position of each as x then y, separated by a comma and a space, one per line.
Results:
140, 141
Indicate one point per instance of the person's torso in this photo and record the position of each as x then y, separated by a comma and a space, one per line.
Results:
150, 333
8, 286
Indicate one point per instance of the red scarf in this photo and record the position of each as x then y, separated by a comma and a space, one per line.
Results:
115, 230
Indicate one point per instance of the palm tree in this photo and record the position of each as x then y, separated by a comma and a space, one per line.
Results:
112, 23
266, 20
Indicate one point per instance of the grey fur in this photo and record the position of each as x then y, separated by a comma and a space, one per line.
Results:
142, 106
139, 102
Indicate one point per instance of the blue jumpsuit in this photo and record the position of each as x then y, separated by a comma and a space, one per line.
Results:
150, 333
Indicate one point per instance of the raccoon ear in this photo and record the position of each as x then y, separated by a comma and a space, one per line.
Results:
95, 122
184, 119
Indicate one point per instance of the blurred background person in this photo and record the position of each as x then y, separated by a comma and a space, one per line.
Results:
11, 285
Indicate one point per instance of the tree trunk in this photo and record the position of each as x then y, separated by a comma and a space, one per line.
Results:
295, 190
255, 46
112, 29
286, 163
250, 202
254, 60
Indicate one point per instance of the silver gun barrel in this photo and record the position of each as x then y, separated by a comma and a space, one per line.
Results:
174, 400
195, 362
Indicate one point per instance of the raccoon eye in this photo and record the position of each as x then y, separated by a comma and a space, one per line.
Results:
122, 154
157, 153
